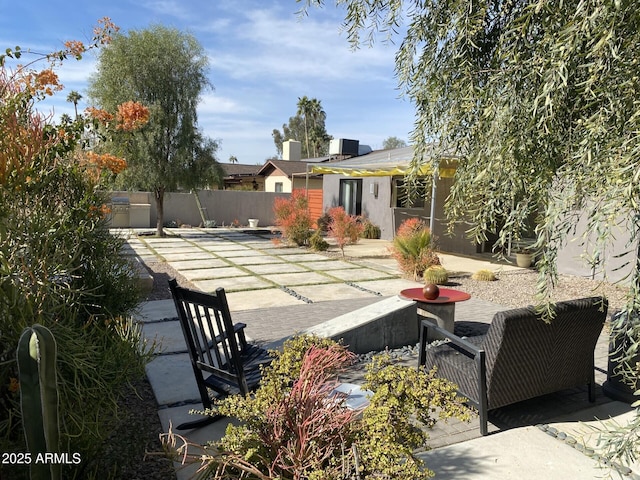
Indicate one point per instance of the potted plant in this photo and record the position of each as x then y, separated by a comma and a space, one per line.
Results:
524, 257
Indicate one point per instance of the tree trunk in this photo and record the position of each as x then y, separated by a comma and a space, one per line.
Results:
159, 195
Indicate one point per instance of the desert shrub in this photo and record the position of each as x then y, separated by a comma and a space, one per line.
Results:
413, 248
343, 228
436, 274
294, 427
60, 267
293, 218
323, 222
317, 242
370, 229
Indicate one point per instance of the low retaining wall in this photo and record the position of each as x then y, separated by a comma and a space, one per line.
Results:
392, 323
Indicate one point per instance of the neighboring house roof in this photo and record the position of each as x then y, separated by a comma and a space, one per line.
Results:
384, 163
240, 170
288, 168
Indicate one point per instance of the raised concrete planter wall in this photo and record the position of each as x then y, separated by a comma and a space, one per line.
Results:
392, 322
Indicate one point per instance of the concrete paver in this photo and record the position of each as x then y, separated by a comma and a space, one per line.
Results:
356, 274
178, 249
257, 260
268, 268
178, 257
387, 287
232, 284
217, 272
302, 278
242, 252
326, 293
202, 263
327, 265
304, 257
260, 299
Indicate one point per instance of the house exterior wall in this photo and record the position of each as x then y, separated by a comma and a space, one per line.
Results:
375, 209
382, 211
300, 181
271, 180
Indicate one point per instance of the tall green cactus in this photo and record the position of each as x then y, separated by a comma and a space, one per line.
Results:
39, 398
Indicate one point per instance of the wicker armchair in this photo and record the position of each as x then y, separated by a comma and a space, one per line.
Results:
520, 357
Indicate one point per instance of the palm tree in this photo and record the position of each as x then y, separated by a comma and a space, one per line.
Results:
318, 117
74, 97
233, 159
304, 110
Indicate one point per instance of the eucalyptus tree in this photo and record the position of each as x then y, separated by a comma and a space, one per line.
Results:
165, 70
540, 101
393, 142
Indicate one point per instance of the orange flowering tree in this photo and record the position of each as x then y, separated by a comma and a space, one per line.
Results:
59, 265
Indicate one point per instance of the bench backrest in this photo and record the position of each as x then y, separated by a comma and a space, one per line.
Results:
208, 329
527, 357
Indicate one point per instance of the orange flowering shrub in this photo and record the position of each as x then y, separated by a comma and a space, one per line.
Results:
98, 114
59, 264
131, 116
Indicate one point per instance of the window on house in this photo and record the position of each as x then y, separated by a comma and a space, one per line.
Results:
279, 187
421, 193
351, 196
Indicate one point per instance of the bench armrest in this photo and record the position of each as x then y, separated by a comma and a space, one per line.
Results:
427, 328
468, 349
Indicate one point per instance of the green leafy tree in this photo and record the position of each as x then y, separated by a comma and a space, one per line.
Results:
165, 70
307, 127
539, 100
393, 142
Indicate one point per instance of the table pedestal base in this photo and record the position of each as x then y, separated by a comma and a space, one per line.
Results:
442, 314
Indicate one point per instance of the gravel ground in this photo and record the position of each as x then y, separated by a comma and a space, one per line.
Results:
512, 289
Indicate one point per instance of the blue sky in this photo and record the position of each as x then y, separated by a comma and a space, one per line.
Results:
262, 57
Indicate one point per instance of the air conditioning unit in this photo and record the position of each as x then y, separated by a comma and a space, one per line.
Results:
343, 146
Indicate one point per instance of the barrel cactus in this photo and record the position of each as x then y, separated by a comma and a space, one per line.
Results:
484, 276
436, 274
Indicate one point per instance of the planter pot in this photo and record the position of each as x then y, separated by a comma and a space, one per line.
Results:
253, 222
524, 260
615, 386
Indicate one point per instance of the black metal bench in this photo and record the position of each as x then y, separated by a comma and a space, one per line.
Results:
222, 360
520, 356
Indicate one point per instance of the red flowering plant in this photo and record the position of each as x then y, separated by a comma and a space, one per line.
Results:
344, 228
292, 217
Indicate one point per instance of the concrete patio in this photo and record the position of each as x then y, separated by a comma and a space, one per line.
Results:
279, 291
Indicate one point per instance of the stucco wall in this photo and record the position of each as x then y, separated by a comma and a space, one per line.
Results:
223, 206
573, 256
381, 211
271, 180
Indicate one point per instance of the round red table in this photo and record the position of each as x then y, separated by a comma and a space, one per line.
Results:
441, 309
